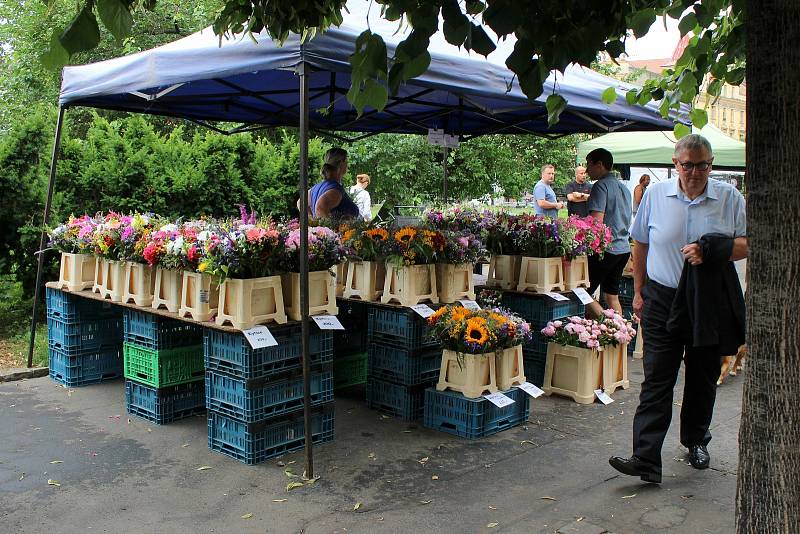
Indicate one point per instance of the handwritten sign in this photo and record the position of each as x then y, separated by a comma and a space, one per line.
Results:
499, 400
327, 322
583, 295
259, 337
556, 296
531, 390
470, 305
423, 310
603, 397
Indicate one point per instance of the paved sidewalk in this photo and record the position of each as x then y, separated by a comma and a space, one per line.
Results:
117, 475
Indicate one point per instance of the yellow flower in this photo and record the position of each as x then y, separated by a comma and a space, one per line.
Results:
203, 266
458, 313
348, 235
380, 233
405, 235
501, 319
438, 313
476, 331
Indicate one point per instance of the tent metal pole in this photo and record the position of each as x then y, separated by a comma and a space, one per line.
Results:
303, 189
43, 238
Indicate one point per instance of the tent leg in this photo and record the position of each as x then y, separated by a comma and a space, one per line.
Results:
43, 238
303, 187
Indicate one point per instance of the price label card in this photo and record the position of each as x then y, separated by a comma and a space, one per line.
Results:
603, 397
499, 400
327, 322
583, 295
423, 310
470, 305
556, 296
531, 389
259, 337
204, 297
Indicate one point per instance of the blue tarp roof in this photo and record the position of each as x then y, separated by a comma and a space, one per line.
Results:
256, 82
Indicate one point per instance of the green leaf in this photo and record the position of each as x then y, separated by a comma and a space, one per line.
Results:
609, 96
687, 23
615, 48
56, 56
116, 17
475, 7
681, 130
456, 24
631, 96
555, 105
82, 33
503, 16
417, 66
642, 20
478, 40
699, 117
374, 95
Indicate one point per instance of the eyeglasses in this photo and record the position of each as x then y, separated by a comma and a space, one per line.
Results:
689, 166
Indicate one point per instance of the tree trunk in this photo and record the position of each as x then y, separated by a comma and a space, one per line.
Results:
768, 492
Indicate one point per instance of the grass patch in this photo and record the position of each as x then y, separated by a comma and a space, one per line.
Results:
14, 349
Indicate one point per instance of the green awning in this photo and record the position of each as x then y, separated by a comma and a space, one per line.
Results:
649, 149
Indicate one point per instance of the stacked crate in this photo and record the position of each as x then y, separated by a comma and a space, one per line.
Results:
350, 344
84, 339
452, 412
402, 361
255, 396
163, 367
538, 310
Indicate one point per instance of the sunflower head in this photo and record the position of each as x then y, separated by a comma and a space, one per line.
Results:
476, 332
438, 313
348, 235
377, 233
405, 235
459, 313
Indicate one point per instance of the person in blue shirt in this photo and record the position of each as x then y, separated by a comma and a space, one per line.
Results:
674, 218
544, 198
328, 199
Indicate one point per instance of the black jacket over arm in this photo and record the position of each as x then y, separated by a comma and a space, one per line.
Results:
708, 308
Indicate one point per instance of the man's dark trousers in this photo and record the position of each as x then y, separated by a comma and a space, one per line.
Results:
663, 354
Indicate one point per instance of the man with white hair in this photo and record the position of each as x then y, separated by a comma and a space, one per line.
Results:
687, 232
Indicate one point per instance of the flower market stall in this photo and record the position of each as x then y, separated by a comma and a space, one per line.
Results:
261, 84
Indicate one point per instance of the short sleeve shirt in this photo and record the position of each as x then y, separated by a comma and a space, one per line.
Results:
667, 221
578, 208
610, 197
542, 191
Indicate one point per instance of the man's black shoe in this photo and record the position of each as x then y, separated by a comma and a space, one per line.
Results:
636, 467
699, 457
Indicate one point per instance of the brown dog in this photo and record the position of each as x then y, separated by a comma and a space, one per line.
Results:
732, 364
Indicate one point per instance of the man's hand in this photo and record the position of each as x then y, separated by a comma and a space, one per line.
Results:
693, 254
638, 305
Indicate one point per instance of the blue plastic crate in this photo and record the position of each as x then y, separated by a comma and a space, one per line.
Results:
405, 402
84, 335
534, 363
626, 288
401, 327
539, 309
232, 354
157, 332
71, 307
253, 443
403, 366
165, 405
253, 400
452, 412
74, 369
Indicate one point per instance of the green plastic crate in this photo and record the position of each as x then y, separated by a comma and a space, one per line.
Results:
163, 368
350, 370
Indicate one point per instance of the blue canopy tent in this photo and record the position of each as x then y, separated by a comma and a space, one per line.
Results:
259, 84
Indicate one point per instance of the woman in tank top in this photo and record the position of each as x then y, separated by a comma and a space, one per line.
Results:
328, 199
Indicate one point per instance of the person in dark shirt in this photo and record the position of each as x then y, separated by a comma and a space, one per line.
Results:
578, 193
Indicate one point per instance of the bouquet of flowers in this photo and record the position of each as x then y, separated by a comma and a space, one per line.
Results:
460, 248
242, 250
181, 247
502, 233
610, 329
477, 332
134, 236
108, 236
365, 241
411, 245
76, 236
540, 237
489, 298
459, 218
325, 248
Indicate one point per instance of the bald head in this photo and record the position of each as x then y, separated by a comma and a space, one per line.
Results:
580, 174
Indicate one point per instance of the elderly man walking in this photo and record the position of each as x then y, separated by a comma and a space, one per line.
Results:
687, 232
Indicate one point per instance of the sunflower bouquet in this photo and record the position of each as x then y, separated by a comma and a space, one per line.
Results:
411, 245
365, 241
477, 332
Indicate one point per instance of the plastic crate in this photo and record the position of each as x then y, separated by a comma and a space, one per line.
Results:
352, 313
405, 402
534, 363
401, 327
232, 354
162, 368
253, 400
403, 366
253, 443
165, 405
349, 370
70, 307
626, 288
452, 412
349, 341
74, 369
84, 335
156, 332
539, 309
